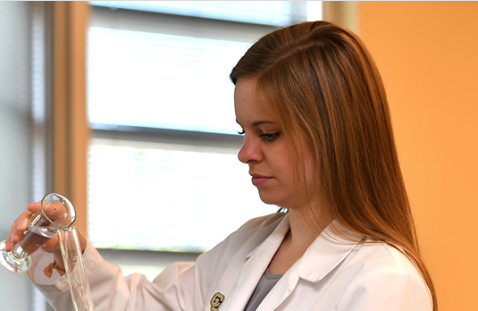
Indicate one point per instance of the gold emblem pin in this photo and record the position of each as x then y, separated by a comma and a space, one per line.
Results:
216, 301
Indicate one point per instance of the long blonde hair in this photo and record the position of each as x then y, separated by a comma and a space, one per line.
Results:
319, 80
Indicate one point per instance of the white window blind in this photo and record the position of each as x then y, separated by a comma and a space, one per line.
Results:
163, 161
168, 79
179, 197
275, 13
14, 137
21, 175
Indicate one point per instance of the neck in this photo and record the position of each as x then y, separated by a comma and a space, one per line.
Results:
301, 235
303, 229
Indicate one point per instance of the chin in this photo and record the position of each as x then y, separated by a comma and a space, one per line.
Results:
270, 199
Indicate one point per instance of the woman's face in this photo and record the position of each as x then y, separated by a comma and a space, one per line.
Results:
266, 151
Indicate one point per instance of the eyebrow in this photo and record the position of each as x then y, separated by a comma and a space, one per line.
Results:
260, 122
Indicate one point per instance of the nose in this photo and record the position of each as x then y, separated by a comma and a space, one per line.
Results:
250, 150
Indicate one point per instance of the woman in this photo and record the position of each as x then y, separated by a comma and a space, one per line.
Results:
319, 144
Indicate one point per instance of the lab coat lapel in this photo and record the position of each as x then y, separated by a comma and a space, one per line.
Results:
325, 253
257, 262
281, 290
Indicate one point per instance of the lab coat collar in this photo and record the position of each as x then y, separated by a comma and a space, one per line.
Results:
329, 249
333, 245
273, 241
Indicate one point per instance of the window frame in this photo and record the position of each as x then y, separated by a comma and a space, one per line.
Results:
70, 105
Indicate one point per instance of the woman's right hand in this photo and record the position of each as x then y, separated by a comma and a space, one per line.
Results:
52, 246
20, 225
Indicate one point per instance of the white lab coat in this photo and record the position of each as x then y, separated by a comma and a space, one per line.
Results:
333, 274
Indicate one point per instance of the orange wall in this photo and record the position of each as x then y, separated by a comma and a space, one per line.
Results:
427, 53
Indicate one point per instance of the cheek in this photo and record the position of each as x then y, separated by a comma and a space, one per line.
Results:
285, 165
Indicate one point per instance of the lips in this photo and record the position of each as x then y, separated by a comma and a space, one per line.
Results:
258, 180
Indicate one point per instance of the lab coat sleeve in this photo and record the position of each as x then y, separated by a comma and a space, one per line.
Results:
181, 286
387, 288
112, 292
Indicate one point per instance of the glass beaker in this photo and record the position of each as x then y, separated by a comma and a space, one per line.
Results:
56, 213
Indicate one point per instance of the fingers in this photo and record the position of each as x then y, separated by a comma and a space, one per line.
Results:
18, 226
52, 243
52, 246
54, 211
22, 221
57, 213
34, 207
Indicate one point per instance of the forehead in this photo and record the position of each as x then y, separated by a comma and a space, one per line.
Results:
244, 91
247, 106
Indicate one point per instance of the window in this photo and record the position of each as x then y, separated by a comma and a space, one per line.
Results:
22, 131
163, 173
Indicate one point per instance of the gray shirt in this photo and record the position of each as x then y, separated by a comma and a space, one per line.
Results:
262, 289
